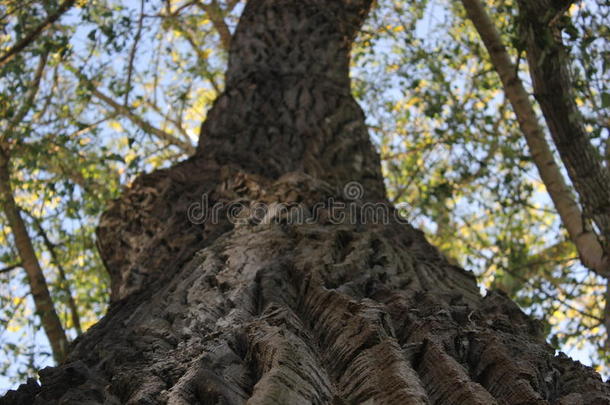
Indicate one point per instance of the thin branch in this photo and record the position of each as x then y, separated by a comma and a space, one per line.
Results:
20, 300
177, 11
215, 13
87, 127
62, 273
145, 126
186, 147
46, 103
132, 54
34, 86
15, 9
35, 33
231, 5
10, 268
166, 116
553, 296
201, 55
607, 316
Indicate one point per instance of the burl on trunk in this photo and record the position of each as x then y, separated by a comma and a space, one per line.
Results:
292, 303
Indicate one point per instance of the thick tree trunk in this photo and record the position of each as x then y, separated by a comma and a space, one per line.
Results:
276, 309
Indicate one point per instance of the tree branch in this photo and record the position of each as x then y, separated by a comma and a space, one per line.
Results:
215, 13
201, 55
553, 84
10, 268
35, 33
166, 116
62, 273
132, 54
186, 147
38, 284
34, 86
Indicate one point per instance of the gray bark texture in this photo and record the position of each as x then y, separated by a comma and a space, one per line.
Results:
272, 310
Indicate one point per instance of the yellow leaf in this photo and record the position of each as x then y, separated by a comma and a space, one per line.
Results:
115, 125
12, 327
412, 102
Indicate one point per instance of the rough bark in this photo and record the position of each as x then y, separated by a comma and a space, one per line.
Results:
38, 284
589, 248
273, 310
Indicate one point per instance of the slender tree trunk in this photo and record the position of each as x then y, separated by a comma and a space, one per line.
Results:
591, 251
549, 63
38, 284
294, 303
64, 283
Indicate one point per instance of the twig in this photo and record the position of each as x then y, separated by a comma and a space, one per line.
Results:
28, 39
214, 11
132, 54
186, 147
10, 268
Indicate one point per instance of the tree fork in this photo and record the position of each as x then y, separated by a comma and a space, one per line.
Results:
270, 310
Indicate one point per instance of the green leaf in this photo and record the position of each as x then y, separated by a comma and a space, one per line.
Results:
605, 100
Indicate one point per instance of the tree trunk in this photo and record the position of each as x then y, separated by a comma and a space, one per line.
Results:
38, 284
590, 250
277, 298
549, 63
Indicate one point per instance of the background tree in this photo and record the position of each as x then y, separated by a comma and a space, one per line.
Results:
581, 160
